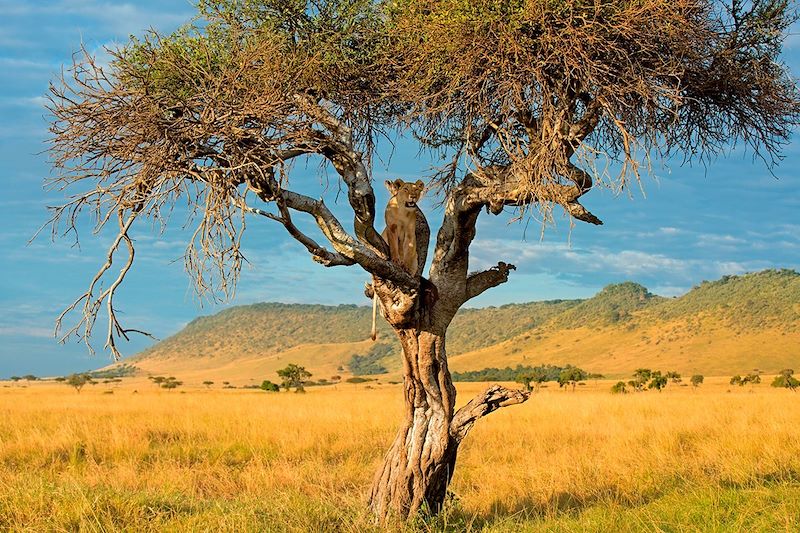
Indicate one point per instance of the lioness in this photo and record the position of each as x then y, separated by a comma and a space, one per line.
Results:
401, 227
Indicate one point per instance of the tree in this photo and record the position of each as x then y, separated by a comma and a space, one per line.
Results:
657, 381
697, 380
78, 381
293, 376
737, 380
208, 384
537, 376
674, 377
786, 380
752, 378
619, 388
171, 383
571, 375
640, 378
525, 102
269, 386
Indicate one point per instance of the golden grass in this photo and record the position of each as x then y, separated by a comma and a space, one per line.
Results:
234, 460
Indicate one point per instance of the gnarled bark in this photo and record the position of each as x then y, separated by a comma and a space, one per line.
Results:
419, 465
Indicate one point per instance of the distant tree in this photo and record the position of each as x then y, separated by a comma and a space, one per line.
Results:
294, 376
171, 383
208, 384
571, 375
78, 381
657, 381
697, 380
30, 377
640, 378
737, 380
786, 380
157, 380
60, 379
532, 379
15, 378
269, 386
619, 388
525, 381
674, 377
753, 378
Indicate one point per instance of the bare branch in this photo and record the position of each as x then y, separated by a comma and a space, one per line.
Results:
92, 302
480, 282
318, 253
485, 403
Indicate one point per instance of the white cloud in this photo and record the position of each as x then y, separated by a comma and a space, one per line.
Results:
121, 17
27, 331
710, 239
24, 101
667, 230
25, 64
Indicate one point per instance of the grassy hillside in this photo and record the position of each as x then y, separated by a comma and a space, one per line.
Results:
727, 326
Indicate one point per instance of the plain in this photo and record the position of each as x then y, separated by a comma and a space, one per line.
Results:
718, 458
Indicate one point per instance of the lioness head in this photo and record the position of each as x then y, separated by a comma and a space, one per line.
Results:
406, 193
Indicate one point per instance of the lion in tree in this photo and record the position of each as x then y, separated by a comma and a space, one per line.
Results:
528, 106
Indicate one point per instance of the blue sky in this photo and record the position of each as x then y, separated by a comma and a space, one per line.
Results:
692, 224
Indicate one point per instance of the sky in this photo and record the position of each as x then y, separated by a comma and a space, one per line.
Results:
682, 226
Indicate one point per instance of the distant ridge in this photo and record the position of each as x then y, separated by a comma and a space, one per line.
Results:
726, 326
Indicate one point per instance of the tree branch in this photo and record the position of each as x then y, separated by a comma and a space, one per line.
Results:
319, 254
479, 282
91, 303
349, 250
348, 162
486, 402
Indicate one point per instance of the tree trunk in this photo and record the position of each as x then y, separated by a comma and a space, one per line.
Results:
419, 465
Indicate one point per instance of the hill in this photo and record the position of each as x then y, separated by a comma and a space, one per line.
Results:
721, 327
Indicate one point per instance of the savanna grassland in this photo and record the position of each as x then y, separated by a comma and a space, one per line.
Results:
234, 460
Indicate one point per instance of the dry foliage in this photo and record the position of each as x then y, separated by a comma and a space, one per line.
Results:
529, 100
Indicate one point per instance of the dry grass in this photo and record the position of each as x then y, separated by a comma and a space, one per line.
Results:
252, 461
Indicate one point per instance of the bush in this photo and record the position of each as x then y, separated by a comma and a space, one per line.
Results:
269, 386
786, 380
619, 388
358, 379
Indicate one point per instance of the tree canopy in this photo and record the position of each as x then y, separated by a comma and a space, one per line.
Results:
528, 103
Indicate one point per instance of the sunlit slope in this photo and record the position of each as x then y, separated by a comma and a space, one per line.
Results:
728, 326
320, 337
733, 325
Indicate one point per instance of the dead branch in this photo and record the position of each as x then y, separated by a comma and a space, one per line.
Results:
485, 403
480, 282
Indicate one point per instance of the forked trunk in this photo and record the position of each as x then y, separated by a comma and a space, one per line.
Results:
419, 465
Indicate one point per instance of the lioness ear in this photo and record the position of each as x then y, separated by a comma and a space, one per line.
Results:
398, 183
389, 185
421, 186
